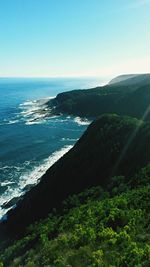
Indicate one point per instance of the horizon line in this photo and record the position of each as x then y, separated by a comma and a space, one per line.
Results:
57, 76
73, 76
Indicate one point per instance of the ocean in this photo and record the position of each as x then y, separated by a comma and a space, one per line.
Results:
29, 142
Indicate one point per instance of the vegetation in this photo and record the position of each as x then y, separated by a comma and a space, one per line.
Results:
128, 97
96, 228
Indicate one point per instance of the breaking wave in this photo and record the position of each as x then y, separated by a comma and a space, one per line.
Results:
81, 121
35, 111
28, 178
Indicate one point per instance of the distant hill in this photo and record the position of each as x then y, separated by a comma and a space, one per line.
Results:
122, 78
112, 145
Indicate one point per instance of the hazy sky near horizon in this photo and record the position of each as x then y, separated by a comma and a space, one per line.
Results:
74, 37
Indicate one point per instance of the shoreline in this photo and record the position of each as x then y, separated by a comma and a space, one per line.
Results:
37, 173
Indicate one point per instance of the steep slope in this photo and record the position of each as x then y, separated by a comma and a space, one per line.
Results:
107, 148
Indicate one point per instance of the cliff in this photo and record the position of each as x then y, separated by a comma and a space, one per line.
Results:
112, 145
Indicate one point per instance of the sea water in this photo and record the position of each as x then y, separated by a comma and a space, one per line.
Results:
29, 142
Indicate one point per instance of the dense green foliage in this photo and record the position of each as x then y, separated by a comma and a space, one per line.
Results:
129, 97
96, 228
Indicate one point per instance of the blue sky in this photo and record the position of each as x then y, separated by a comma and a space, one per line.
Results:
43, 38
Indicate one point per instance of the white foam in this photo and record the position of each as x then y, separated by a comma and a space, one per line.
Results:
27, 103
31, 122
18, 168
34, 176
81, 121
29, 112
6, 197
13, 121
37, 102
35, 111
5, 122
5, 183
54, 117
30, 178
69, 139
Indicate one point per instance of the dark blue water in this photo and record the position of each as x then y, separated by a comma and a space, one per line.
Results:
29, 142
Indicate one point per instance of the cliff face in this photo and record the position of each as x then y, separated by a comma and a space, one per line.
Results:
112, 145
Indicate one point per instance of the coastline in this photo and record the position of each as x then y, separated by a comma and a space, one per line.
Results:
34, 112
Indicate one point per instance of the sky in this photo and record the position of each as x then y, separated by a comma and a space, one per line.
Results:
64, 38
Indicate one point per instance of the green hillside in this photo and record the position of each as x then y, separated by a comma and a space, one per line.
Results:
112, 145
91, 208
96, 228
